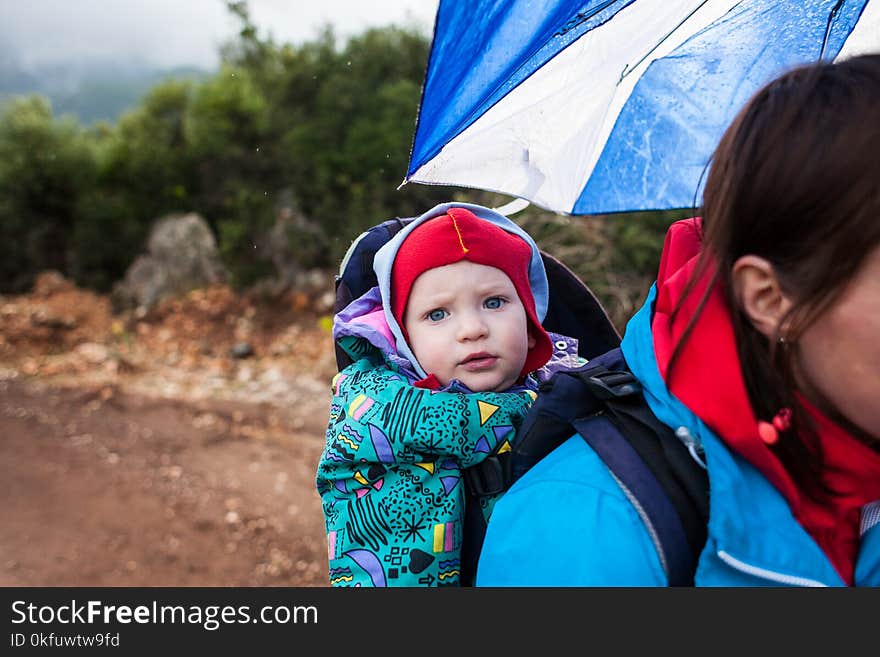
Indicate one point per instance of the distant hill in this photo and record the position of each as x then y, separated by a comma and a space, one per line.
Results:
90, 92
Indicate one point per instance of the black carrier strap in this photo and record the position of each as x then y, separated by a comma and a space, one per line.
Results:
665, 483
683, 479
603, 403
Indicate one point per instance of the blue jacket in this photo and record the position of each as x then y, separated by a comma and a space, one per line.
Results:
568, 523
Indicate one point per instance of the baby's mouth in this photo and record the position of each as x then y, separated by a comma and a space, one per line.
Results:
478, 361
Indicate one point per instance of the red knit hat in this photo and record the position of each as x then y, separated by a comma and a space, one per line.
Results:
461, 235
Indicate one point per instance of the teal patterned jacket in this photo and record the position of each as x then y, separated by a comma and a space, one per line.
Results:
390, 474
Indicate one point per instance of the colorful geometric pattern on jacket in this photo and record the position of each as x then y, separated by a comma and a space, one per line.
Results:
390, 474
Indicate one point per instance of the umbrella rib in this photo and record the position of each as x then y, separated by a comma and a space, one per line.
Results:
831, 17
629, 69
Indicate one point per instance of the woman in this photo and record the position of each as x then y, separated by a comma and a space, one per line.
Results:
761, 341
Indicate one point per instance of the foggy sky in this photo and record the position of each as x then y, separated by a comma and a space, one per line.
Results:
168, 33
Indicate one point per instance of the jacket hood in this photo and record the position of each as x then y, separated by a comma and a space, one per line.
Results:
384, 262
707, 378
706, 394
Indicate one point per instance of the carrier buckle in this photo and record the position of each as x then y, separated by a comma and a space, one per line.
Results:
489, 477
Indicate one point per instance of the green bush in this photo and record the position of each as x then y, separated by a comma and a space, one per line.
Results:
47, 167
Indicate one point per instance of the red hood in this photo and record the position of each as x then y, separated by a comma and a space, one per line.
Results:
708, 380
708, 377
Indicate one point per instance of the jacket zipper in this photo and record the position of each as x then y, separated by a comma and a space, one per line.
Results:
790, 580
652, 533
693, 445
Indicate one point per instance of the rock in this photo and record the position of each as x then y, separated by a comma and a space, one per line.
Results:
181, 256
294, 245
93, 352
241, 350
144, 284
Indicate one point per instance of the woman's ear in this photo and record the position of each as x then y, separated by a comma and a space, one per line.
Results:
759, 294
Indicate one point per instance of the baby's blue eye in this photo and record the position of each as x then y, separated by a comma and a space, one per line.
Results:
436, 315
493, 303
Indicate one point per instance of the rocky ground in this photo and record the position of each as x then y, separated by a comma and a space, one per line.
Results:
169, 447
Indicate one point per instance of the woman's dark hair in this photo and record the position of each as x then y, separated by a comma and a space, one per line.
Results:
796, 180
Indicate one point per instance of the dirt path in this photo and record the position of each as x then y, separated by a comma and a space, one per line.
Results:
146, 449
101, 487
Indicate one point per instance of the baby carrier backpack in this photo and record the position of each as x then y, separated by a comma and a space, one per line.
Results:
601, 401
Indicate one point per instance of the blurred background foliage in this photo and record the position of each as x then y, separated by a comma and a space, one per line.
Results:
322, 129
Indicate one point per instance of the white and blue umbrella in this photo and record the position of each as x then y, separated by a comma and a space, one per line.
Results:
608, 106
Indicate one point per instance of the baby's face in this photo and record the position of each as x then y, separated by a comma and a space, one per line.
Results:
465, 321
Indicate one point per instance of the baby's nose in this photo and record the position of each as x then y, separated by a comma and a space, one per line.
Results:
471, 326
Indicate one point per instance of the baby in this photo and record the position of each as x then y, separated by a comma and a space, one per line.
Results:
443, 353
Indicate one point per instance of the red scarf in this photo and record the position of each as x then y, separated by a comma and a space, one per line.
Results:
708, 380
